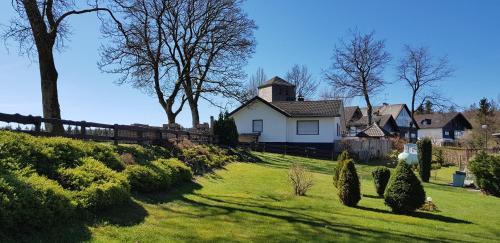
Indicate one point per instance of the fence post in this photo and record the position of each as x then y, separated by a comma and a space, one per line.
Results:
83, 129
139, 137
38, 124
115, 134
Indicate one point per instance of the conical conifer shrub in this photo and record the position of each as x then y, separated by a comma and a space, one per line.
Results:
349, 191
405, 192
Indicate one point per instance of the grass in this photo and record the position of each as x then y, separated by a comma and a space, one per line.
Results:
253, 202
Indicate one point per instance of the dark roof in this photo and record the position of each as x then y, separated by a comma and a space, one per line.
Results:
374, 130
439, 120
324, 108
349, 112
321, 108
380, 120
275, 81
389, 109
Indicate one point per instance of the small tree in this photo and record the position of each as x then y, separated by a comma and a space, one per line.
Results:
225, 129
349, 189
381, 176
340, 164
424, 158
300, 179
486, 168
404, 193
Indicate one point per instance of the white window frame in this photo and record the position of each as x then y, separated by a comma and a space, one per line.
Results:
301, 121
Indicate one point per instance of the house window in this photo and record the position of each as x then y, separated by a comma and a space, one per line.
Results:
257, 126
446, 133
310, 127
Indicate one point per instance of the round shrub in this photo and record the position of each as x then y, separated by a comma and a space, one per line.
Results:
404, 193
349, 191
106, 154
424, 158
32, 201
486, 169
381, 176
95, 186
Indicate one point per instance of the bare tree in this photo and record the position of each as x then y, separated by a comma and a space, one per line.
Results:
305, 85
41, 24
139, 53
255, 80
357, 67
329, 93
210, 41
421, 73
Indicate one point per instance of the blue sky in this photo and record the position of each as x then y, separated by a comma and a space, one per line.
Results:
290, 32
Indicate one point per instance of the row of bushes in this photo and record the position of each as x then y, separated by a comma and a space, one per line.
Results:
402, 192
46, 180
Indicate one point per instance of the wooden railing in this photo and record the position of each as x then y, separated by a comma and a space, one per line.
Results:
142, 134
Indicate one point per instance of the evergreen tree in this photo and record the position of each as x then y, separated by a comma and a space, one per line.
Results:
340, 164
404, 193
424, 158
349, 188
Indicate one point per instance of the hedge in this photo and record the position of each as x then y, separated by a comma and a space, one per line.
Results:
159, 175
486, 169
31, 201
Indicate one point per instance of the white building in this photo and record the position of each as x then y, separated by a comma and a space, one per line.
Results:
275, 117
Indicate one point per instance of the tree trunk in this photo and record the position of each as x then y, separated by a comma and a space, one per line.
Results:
369, 108
50, 101
194, 113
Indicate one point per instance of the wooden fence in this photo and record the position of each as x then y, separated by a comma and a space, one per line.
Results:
365, 148
461, 156
142, 134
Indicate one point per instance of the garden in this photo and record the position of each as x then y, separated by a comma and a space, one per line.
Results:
63, 190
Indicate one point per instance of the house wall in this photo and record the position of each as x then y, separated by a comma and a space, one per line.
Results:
266, 93
327, 130
274, 123
436, 133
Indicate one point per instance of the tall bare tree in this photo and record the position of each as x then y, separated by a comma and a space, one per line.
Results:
305, 85
421, 73
212, 41
41, 24
357, 67
139, 53
255, 80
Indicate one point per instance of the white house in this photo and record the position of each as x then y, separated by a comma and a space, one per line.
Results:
442, 128
274, 116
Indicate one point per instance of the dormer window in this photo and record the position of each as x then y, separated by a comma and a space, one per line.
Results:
426, 121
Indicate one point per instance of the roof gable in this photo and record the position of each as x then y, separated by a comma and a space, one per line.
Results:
374, 130
440, 120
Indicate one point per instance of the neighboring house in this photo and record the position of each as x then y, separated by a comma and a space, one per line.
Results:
356, 122
442, 127
273, 117
406, 127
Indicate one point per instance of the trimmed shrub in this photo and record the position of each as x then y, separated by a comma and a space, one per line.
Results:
95, 186
106, 154
404, 193
158, 175
424, 158
349, 188
340, 164
144, 154
381, 176
486, 169
300, 179
202, 158
32, 201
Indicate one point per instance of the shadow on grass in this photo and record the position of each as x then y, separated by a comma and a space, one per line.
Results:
305, 226
372, 196
76, 229
422, 215
172, 195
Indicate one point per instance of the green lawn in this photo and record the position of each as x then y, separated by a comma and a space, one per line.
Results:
253, 202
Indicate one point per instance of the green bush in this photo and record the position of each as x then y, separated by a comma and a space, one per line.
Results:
31, 201
94, 186
159, 175
340, 164
349, 191
381, 176
486, 169
144, 154
424, 158
438, 157
404, 193
202, 158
